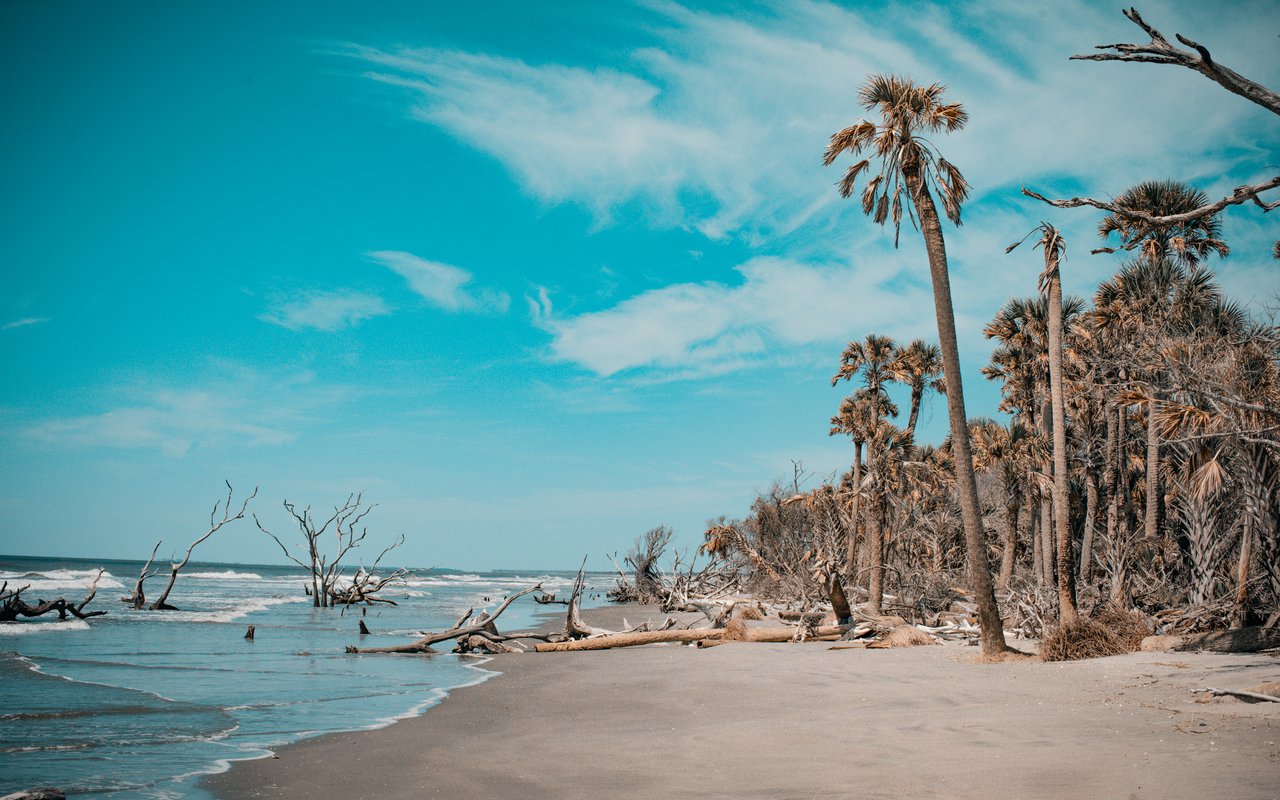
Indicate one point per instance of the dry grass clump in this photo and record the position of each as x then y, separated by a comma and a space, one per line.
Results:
1130, 627
1093, 637
747, 611
736, 631
902, 636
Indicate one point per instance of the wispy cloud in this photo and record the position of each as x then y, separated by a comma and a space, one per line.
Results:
721, 122
442, 285
325, 310
22, 323
236, 406
719, 125
708, 328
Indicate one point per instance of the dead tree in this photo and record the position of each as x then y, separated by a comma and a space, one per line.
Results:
646, 585
366, 583
138, 598
215, 524
325, 568
13, 606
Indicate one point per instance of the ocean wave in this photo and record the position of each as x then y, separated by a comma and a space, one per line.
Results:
230, 613
56, 580
515, 582
225, 575
20, 628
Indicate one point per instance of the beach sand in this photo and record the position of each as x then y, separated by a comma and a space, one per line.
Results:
781, 721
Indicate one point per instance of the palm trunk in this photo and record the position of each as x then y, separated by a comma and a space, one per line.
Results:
875, 551
917, 394
1152, 521
1010, 553
851, 554
1090, 523
1061, 513
1110, 476
874, 547
1046, 539
992, 635
1033, 528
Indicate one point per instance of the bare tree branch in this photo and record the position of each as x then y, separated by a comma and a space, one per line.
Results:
1242, 194
1160, 51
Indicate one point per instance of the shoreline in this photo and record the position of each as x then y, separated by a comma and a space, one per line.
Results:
761, 720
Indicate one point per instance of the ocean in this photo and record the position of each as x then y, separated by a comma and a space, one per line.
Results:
143, 703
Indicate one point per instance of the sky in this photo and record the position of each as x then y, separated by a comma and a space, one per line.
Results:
534, 277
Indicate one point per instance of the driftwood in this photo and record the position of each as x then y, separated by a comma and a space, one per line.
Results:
484, 626
1240, 640
635, 638
1241, 693
13, 606
41, 793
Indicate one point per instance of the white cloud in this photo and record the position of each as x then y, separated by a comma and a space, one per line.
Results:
442, 285
22, 323
325, 310
704, 328
720, 124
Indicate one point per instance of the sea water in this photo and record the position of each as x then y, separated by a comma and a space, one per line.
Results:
142, 703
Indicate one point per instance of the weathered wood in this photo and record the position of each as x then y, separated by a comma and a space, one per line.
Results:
1161, 51
1241, 693
484, 624
13, 606
41, 793
1239, 640
215, 524
637, 638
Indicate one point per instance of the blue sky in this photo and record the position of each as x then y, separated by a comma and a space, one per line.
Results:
535, 277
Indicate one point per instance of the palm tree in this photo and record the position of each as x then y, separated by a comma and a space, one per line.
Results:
858, 417
871, 358
1150, 301
907, 160
1004, 450
918, 365
1191, 242
1051, 288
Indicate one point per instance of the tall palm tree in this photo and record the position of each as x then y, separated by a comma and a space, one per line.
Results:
1051, 287
908, 160
871, 358
918, 365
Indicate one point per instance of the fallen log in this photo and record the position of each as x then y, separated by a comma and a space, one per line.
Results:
483, 624
1239, 640
41, 793
12, 605
701, 634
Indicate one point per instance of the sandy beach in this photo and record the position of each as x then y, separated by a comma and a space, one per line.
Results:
749, 720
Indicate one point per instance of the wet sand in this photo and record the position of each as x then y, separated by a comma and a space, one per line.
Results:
781, 721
